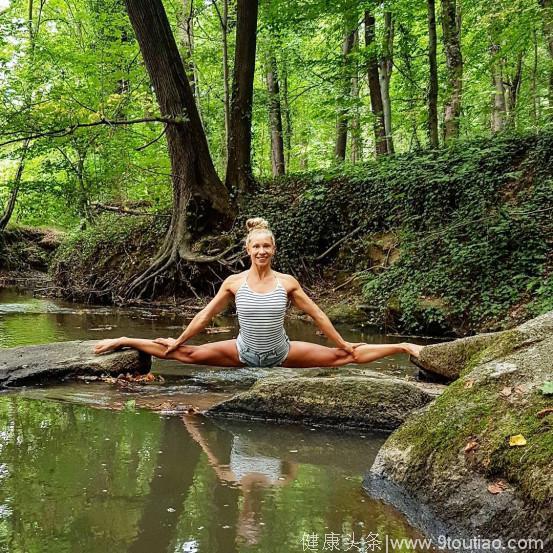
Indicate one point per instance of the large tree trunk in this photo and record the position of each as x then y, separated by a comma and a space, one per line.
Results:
223, 20
433, 76
239, 171
200, 201
498, 95
547, 10
275, 117
343, 110
451, 25
375, 93
386, 66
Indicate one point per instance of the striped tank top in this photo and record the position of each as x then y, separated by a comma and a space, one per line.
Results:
261, 317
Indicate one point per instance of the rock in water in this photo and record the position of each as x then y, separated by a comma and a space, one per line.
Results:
372, 402
455, 468
29, 364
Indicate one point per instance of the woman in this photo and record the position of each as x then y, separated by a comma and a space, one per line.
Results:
261, 296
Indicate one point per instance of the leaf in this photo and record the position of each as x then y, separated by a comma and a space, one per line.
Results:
520, 389
471, 445
469, 383
544, 412
499, 486
517, 440
507, 391
547, 388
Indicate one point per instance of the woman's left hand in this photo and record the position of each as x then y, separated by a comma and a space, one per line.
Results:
350, 346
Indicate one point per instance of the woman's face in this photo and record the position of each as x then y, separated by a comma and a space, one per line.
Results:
261, 249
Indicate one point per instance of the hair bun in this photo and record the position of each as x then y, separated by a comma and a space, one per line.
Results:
257, 223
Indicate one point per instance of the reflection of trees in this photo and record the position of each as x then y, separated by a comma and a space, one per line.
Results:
171, 481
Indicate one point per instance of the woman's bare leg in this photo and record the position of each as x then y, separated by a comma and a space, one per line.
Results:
370, 352
306, 354
303, 355
219, 354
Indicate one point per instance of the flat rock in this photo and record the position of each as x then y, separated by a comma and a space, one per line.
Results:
373, 402
29, 364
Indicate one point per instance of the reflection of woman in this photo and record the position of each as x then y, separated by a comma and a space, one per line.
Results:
261, 296
254, 474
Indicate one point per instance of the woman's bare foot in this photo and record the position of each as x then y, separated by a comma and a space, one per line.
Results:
110, 344
412, 349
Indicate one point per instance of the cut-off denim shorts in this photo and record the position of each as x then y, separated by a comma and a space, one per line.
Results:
271, 358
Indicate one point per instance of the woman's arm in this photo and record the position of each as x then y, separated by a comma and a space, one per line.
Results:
302, 301
204, 317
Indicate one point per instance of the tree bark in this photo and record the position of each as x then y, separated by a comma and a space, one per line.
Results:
287, 114
343, 110
380, 145
498, 95
386, 66
200, 201
275, 117
547, 9
451, 25
512, 90
239, 171
433, 137
356, 150
223, 20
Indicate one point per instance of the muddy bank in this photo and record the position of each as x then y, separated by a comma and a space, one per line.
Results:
479, 459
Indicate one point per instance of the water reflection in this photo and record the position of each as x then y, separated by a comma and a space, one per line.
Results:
75, 478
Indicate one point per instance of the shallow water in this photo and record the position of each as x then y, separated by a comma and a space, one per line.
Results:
84, 468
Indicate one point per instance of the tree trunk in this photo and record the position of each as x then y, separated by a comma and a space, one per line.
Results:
433, 77
375, 93
498, 94
547, 9
343, 110
356, 151
239, 171
10, 206
223, 20
386, 66
275, 117
512, 90
451, 25
287, 114
200, 201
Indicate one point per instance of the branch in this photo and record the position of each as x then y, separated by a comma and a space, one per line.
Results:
101, 207
103, 121
343, 239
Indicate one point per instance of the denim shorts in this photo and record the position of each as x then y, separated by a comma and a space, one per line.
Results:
271, 358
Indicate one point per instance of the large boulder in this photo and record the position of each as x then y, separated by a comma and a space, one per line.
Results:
360, 399
455, 467
29, 364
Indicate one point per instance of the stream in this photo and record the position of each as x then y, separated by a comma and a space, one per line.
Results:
93, 467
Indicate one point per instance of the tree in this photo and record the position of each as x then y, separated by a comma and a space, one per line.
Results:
433, 76
200, 201
343, 102
275, 117
239, 170
386, 66
451, 25
381, 146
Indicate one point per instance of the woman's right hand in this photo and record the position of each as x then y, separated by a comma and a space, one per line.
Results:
170, 343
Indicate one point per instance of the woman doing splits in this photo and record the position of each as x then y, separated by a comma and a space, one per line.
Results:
261, 296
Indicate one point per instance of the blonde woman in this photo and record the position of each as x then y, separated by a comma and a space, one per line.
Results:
261, 295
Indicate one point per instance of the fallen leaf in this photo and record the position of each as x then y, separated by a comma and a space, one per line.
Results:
547, 388
469, 383
471, 446
499, 486
507, 391
517, 440
544, 412
520, 389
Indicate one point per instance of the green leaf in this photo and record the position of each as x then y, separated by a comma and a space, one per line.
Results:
547, 388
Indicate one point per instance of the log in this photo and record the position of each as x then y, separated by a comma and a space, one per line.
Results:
39, 363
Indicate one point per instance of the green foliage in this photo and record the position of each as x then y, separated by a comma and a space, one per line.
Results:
547, 388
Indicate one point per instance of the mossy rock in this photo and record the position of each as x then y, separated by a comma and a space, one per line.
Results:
442, 460
372, 402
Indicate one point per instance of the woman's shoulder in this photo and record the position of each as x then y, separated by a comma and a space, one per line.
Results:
288, 281
233, 282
